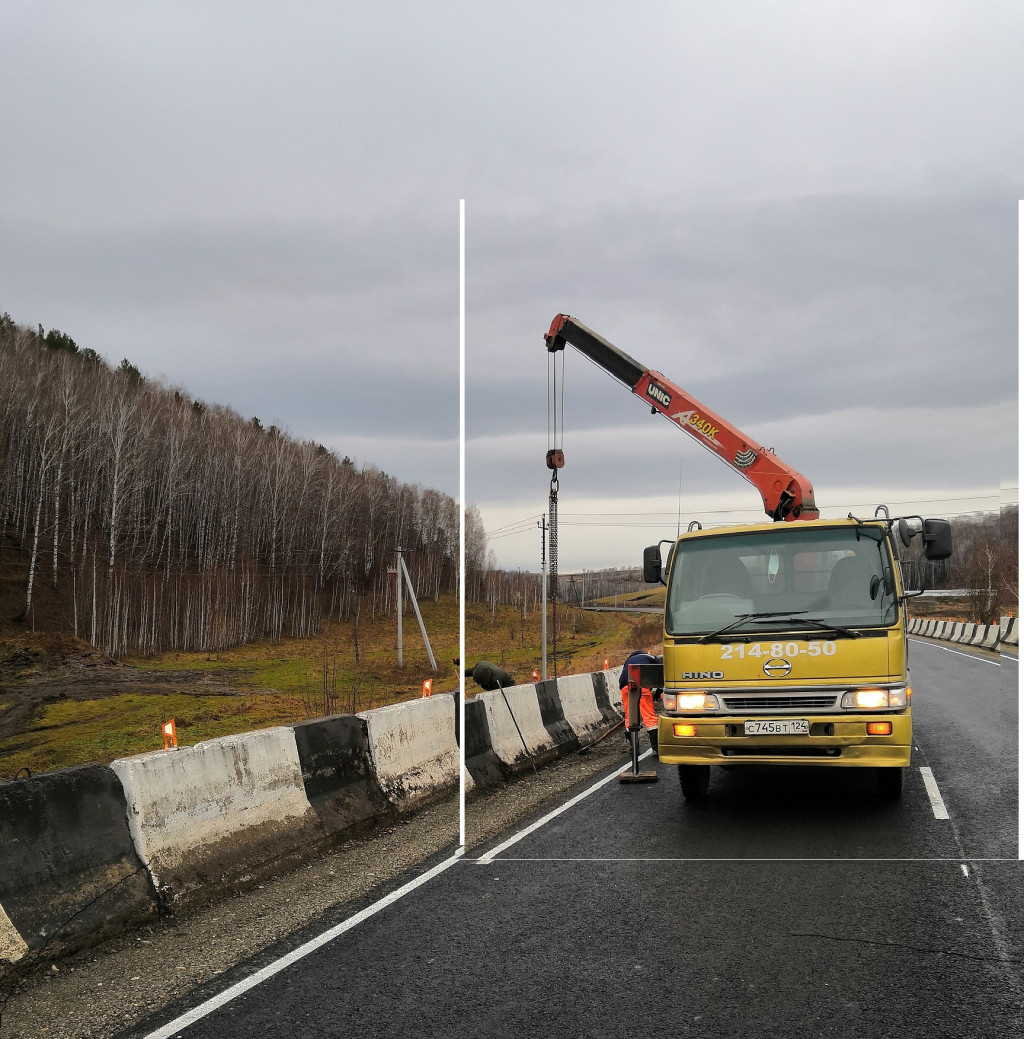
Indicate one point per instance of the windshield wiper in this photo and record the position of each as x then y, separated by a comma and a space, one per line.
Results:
848, 632
741, 617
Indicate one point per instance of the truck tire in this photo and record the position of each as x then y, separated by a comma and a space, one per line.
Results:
889, 782
694, 780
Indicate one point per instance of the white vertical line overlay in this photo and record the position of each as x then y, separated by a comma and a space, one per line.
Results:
190, 1017
486, 860
938, 805
462, 522
1020, 533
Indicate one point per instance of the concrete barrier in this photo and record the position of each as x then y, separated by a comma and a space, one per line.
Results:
580, 708
553, 716
967, 633
413, 751
230, 810
991, 639
69, 873
86, 851
337, 774
482, 763
606, 702
519, 706
1008, 630
12, 945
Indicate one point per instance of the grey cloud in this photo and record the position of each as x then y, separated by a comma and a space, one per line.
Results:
338, 327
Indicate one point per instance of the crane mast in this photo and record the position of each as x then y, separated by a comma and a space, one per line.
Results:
787, 494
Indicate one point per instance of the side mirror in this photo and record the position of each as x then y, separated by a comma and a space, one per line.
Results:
938, 539
904, 531
652, 564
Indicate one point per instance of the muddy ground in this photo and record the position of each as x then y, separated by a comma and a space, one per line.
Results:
32, 676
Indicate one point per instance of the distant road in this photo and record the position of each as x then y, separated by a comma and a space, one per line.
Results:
792, 903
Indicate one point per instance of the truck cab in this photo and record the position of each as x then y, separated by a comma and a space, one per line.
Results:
786, 644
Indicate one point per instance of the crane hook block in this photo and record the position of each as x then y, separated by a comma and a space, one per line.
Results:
555, 459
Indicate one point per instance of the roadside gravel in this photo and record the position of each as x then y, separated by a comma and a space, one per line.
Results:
112, 989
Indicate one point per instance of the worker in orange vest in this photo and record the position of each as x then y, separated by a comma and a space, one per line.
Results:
647, 713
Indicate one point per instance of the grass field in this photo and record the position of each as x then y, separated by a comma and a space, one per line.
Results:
104, 713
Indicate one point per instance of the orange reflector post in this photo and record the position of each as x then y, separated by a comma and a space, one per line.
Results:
170, 734
680, 729
606, 663
536, 675
879, 728
427, 684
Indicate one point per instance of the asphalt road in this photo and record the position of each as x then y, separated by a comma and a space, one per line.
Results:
792, 903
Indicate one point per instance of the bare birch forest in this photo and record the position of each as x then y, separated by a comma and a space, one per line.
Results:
173, 524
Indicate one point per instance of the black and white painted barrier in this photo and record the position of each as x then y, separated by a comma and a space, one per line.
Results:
88, 851
965, 633
69, 870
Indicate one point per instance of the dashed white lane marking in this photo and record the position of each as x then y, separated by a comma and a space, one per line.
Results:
938, 805
967, 872
190, 1017
485, 860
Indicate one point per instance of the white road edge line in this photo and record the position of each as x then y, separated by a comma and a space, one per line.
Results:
243, 986
487, 859
957, 652
938, 805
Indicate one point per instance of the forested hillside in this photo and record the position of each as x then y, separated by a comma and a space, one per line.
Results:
167, 523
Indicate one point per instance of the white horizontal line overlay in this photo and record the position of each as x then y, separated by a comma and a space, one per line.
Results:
508, 859
486, 860
243, 986
938, 805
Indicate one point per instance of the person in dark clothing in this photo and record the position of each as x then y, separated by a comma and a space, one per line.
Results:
648, 716
489, 676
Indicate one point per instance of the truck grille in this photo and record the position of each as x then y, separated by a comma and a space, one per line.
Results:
780, 703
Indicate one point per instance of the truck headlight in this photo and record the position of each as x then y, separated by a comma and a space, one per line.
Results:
697, 701
874, 699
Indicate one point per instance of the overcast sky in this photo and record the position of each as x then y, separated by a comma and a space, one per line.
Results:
805, 214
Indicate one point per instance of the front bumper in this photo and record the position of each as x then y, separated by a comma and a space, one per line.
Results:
835, 741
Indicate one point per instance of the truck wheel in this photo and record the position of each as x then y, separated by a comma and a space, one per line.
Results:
890, 783
694, 780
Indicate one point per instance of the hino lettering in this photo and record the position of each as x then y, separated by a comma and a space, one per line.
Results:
690, 676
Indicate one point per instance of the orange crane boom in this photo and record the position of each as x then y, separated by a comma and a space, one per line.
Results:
787, 494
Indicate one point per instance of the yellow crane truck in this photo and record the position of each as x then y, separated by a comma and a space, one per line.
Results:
785, 642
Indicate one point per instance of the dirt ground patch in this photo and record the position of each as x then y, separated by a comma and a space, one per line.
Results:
27, 685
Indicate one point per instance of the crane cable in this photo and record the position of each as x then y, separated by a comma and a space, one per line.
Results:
555, 460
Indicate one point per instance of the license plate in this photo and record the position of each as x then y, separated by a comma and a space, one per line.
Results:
777, 727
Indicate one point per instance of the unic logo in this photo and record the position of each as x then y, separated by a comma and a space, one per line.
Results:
659, 393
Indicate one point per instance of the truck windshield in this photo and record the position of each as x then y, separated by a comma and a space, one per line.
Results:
836, 576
